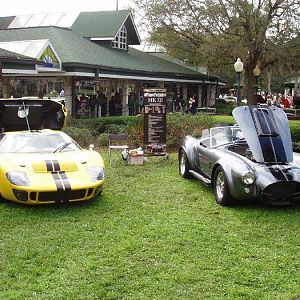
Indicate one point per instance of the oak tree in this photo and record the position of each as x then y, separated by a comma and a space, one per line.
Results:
214, 33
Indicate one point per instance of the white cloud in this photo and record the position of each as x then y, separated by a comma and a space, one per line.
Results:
17, 7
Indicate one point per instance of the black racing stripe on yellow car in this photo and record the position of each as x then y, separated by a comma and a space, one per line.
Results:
58, 181
56, 165
49, 166
65, 180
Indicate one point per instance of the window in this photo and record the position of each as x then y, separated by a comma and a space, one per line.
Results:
120, 41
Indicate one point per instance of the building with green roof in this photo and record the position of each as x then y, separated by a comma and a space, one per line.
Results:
96, 48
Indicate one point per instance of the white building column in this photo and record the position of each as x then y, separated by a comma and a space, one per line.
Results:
209, 90
108, 96
213, 95
184, 94
199, 95
25, 87
68, 93
125, 91
6, 88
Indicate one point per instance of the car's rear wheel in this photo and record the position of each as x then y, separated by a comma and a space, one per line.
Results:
220, 187
184, 166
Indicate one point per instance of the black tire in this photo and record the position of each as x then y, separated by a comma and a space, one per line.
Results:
220, 188
184, 166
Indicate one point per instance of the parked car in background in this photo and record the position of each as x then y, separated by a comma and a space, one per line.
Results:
227, 99
253, 159
39, 164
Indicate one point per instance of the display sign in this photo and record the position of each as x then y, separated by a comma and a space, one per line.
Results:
155, 131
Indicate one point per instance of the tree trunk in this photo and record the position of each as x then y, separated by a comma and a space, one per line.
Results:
249, 88
269, 82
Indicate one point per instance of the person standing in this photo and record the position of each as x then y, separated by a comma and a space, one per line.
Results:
112, 106
102, 100
192, 108
141, 103
178, 103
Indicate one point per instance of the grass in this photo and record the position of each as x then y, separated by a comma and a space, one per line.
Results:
151, 235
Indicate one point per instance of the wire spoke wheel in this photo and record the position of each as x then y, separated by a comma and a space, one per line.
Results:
182, 163
184, 166
220, 185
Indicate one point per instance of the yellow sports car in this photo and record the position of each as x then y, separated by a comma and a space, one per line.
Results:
42, 164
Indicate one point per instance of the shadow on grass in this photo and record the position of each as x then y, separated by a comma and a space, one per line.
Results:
250, 203
98, 202
261, 204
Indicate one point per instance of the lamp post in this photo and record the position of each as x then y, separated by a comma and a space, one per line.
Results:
238, 67
256, 73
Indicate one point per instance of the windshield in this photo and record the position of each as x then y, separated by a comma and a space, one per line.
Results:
222, 135
33, 142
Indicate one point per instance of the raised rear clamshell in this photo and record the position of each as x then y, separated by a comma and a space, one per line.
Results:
24, 114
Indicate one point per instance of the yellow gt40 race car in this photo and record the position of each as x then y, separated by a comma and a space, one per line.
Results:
42, 164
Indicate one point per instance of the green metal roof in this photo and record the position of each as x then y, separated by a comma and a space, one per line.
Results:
8, 55
75, 50
5, 21
201, 70
105, 24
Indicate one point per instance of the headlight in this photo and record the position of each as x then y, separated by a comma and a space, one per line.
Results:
248, 178
96, 173
18, 178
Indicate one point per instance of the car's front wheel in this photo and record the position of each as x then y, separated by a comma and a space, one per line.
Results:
220, 188
184, 166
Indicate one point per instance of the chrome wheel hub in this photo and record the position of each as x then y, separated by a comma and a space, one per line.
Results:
220, 185
182, 164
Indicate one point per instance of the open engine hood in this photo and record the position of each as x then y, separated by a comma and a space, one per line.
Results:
25, 114
266, 130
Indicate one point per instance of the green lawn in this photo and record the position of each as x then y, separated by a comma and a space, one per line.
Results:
151, 235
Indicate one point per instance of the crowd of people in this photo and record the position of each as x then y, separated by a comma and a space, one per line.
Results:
179, 104
96, 105
276, 100
90, 106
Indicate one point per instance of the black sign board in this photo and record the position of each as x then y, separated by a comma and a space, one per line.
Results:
155, 131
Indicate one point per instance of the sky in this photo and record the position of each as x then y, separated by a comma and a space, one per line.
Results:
18, 7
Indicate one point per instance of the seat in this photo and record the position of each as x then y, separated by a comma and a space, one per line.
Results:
117, 143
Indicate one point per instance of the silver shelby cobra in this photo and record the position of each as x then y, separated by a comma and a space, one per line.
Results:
253, 159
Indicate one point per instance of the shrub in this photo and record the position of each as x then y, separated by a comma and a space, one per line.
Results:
295, 131
296, 147
179, 125
84, 131
136, 132
103, 139
104, 124
82, 136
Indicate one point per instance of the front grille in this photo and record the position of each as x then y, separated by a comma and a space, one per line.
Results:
282, 193
61, 195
